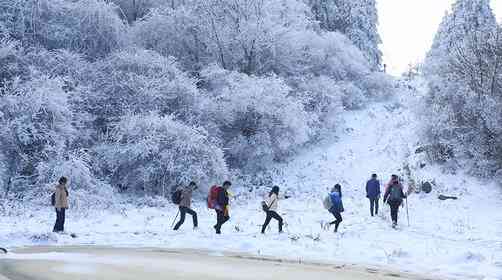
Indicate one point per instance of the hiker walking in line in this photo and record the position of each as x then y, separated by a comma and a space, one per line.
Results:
394, 196
218, 200
373, 193
270, 206
337, 205
184, 196
60, 202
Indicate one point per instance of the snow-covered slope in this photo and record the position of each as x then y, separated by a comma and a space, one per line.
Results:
459, 239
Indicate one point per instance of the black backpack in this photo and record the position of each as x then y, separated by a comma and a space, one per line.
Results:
395, 194
176, 197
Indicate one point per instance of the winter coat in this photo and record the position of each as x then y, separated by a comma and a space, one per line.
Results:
387, 196
61, 194
186, 197
373, 189
272, 202
336, 200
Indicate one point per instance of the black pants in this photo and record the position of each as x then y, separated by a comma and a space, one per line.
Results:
338, 219
220, 220
270, 215
60, 219
394, 210
183, 211
373, 205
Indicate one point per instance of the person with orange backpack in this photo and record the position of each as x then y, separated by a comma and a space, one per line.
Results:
218, 200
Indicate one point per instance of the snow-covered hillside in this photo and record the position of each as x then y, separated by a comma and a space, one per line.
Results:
458, 239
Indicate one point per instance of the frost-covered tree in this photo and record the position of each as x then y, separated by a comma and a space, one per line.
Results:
36, 121
466, 17
463, 68
357, 19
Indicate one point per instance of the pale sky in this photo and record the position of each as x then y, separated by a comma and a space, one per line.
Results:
407, 28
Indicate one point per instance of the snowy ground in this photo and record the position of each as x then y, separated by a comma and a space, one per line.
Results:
455, 239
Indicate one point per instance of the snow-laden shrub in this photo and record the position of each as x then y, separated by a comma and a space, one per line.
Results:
376, 85
186, 39
259, 122
12, 64
132, 10
322, 97
353, 96
92, 27
36, 125
68, 65
328, 53
153, 153
138, 81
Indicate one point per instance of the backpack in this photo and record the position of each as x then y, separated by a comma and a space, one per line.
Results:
265, 207
176, 197
327, 203
395, 194
212, 197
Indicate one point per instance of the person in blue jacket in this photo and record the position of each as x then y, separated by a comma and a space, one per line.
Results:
337, 208
373, 193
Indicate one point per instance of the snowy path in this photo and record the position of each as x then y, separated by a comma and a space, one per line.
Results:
455, 239
72, 263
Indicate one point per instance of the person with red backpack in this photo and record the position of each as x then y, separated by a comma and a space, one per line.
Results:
183, 197
218, 200
394, 196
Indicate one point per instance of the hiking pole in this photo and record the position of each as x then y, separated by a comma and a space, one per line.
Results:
175, 218
407, 213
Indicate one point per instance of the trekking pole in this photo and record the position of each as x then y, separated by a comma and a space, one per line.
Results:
175, 218
407, 213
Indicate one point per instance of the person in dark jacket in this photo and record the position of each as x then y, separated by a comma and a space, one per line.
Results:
184, 206
222, 211
272, 203
337, 208
394, 196
373, 193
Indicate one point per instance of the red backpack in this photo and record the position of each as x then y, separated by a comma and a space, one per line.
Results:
212, 198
